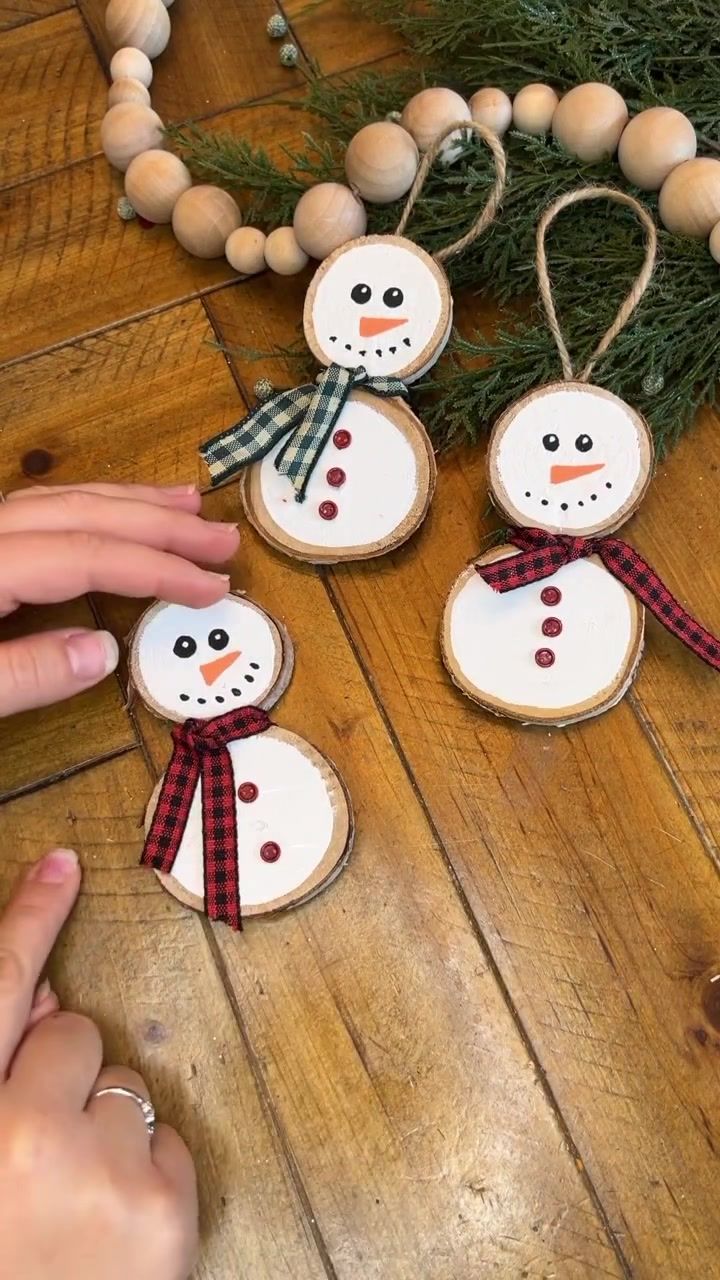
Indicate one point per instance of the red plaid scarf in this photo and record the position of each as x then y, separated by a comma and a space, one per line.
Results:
200, 754
542, 554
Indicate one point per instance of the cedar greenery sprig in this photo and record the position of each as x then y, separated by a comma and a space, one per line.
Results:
667, 361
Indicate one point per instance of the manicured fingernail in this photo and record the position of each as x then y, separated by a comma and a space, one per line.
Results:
92, 655
224, 577
55, 867
43, 991
180, 488
222, 526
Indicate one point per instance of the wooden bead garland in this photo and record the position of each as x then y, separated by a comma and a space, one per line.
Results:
715, 242
589, 120
654, 143
132, 63
493, 108
533, 109
128, 90
429, 112
128, 129
689, 202
283, 254
327, 216
381, 162
154, 182
245, 250
143, 24
202, 220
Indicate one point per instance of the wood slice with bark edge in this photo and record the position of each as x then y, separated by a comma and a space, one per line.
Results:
414, 432
497, 490
282, 671
606, 699
332, 862
425, 359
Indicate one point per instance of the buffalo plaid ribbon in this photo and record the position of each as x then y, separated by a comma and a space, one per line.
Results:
305, 414
200, 754
542, 554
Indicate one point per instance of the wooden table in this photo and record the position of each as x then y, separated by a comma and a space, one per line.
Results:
484, 1051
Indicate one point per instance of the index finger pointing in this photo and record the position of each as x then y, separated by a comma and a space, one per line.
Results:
28, 931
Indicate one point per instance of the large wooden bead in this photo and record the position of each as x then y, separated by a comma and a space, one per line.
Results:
202, 220
431, 111
283, 254
493, 108
654, 143
689, 203
589, 120
381, 162
327, 216
128, 129
245, 250
144, 24
533, 109
127, 90
715, 242
133, 64
154, 182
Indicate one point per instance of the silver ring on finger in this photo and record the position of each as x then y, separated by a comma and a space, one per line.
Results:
145, 1105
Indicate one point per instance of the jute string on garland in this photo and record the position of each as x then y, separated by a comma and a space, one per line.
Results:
306, 415
488, 213
632, 299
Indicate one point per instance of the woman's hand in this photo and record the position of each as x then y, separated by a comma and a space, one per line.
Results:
84, 1193
58, 543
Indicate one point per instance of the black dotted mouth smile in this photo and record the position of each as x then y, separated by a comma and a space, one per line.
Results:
565, 506
221, 698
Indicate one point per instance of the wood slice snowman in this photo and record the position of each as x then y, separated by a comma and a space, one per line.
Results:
548, 629
343, 469
249, 818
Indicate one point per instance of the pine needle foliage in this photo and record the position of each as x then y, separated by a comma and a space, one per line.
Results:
667, 361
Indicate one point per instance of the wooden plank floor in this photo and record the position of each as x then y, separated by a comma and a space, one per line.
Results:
487, 1050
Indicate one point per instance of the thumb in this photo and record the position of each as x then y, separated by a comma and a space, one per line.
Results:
44, 668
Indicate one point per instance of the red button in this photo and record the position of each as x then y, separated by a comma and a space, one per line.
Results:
270, 851
328, 510
342, 439
544, 657
336, 477
550, 595
247, 792
551, 627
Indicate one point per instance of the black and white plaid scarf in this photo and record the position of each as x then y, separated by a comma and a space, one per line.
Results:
305, 414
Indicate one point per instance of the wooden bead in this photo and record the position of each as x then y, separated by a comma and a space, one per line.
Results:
689, 201
431, 111
654, 143
133, 64
144, 24
202, 220
589, 120
381, 162
283, 253
154, 182
327, 216
245, 250
127, 90
715, 242
533, 109
128, 129
493, 108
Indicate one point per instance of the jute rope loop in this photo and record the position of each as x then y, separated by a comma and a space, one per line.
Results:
488, 213
632, 299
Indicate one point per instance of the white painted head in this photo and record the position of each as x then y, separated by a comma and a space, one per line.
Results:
570, 458
201, 663
380, 302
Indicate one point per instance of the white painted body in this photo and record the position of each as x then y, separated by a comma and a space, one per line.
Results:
294, 808
492, 639
379, 494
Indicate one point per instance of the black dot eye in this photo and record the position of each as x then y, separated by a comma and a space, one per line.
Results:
393, 297
361, 293
583, 443
184, 647
551, 443
218, 639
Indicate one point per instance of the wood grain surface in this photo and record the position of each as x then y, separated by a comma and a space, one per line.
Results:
487, 1049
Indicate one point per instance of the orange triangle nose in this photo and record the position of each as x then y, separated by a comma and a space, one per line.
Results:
558, 475
211, 671
372, 325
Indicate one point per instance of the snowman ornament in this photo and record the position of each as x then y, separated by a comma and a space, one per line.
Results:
548, 628
342, 469
249, 818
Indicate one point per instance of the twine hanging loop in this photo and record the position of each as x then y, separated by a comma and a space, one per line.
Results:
487, 214
631, 301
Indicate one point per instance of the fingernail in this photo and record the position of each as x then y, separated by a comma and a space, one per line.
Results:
179, 488
55, 867
92, 655
224, 577
43, 991
222, 526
